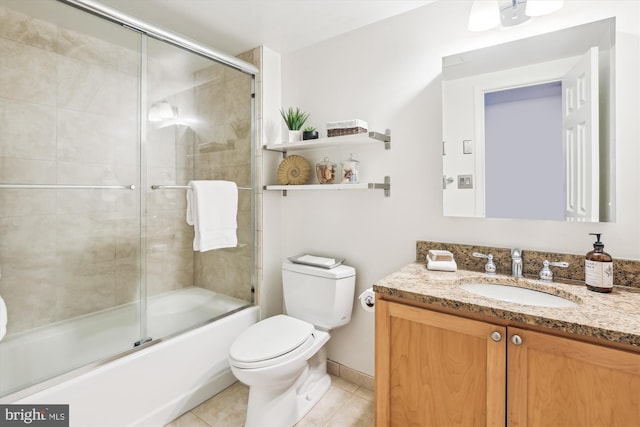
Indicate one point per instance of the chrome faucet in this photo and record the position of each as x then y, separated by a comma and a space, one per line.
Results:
516, 262
546, 275
489, 267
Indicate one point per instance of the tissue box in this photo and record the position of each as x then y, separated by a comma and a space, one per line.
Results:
346, 127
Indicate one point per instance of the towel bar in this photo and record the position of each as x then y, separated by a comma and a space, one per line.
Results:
66, 187
183, 187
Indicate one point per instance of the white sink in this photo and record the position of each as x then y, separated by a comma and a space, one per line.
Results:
518, 295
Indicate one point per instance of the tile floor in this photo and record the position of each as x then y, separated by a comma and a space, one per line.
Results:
345, 405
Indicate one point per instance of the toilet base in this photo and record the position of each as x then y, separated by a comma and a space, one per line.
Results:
276, 406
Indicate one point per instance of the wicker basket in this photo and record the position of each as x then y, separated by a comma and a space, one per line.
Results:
346, 127
345, 131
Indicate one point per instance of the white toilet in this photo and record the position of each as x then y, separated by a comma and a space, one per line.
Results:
282, 358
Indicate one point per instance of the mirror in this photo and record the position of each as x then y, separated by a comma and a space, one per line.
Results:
528, 128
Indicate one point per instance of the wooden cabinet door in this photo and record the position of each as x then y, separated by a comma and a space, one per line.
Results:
435, 369
560, 382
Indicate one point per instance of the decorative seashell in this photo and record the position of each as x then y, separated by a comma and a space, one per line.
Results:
294, 170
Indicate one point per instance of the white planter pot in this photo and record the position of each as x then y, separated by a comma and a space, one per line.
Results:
295, 135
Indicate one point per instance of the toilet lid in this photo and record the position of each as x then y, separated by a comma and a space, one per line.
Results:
270, 338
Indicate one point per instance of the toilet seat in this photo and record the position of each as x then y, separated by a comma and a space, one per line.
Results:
271, 341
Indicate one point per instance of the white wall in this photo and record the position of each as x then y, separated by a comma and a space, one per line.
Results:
268, 206
389, 74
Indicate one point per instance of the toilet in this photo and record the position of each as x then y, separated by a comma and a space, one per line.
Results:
282, 358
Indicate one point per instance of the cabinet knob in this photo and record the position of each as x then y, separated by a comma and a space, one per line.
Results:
496, 336
516, 339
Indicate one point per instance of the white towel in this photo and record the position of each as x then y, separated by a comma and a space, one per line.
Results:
212, 208
441, 265
441, 261
3, 318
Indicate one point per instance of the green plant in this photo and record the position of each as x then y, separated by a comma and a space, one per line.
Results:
294, 118
309, 129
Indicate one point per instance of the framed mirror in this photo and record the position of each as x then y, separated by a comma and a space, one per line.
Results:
528, 128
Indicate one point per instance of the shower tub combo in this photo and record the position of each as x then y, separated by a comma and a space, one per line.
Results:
106, 121
146, 387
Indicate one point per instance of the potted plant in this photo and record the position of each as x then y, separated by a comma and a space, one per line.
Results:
309, 133
294, 120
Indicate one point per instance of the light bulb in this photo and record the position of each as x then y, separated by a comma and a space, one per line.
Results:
484, 15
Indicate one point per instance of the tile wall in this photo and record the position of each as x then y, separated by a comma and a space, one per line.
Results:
223, 151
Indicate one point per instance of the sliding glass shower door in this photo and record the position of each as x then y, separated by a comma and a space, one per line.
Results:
101, 129
69, 189
199, 127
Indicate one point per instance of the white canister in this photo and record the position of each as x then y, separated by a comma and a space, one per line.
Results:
350, 170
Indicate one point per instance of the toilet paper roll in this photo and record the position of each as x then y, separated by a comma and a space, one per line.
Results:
368, 300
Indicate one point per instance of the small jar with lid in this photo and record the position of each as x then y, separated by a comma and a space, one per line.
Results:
326, 171
350, 170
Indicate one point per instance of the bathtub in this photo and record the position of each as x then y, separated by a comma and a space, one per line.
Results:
148, 386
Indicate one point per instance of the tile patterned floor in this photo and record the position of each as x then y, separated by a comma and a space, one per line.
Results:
345, 405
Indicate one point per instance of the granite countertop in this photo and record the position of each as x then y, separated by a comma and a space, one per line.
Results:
613, 317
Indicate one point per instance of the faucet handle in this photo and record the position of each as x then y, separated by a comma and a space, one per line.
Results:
489, 267
546, 275
516, 253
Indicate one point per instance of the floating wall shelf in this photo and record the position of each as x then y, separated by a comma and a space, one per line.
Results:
386, 186
369, 138
335, 141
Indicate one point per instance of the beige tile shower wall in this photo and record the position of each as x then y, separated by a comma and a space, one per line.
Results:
169, 148
223, 151
67, 116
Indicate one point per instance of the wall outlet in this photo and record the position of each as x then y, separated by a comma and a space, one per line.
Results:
465, 181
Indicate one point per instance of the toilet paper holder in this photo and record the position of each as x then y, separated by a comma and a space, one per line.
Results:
368, 300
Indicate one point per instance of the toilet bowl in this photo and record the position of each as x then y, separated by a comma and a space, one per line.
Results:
275, 375
282, 358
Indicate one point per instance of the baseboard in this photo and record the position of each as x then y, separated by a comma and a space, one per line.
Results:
349, 374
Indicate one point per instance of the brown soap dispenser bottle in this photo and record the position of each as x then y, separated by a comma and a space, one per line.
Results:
598, 268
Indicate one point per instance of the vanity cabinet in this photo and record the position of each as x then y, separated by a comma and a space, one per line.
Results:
555, 381
435, 369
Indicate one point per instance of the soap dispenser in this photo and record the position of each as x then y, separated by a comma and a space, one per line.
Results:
598, 268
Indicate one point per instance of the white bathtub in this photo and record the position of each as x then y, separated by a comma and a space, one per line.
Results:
148, 387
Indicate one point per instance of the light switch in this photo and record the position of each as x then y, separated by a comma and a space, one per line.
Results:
466, 146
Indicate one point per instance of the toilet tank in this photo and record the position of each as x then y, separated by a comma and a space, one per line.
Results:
321, 296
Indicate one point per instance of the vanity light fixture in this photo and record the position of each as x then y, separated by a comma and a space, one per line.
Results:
488, 14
